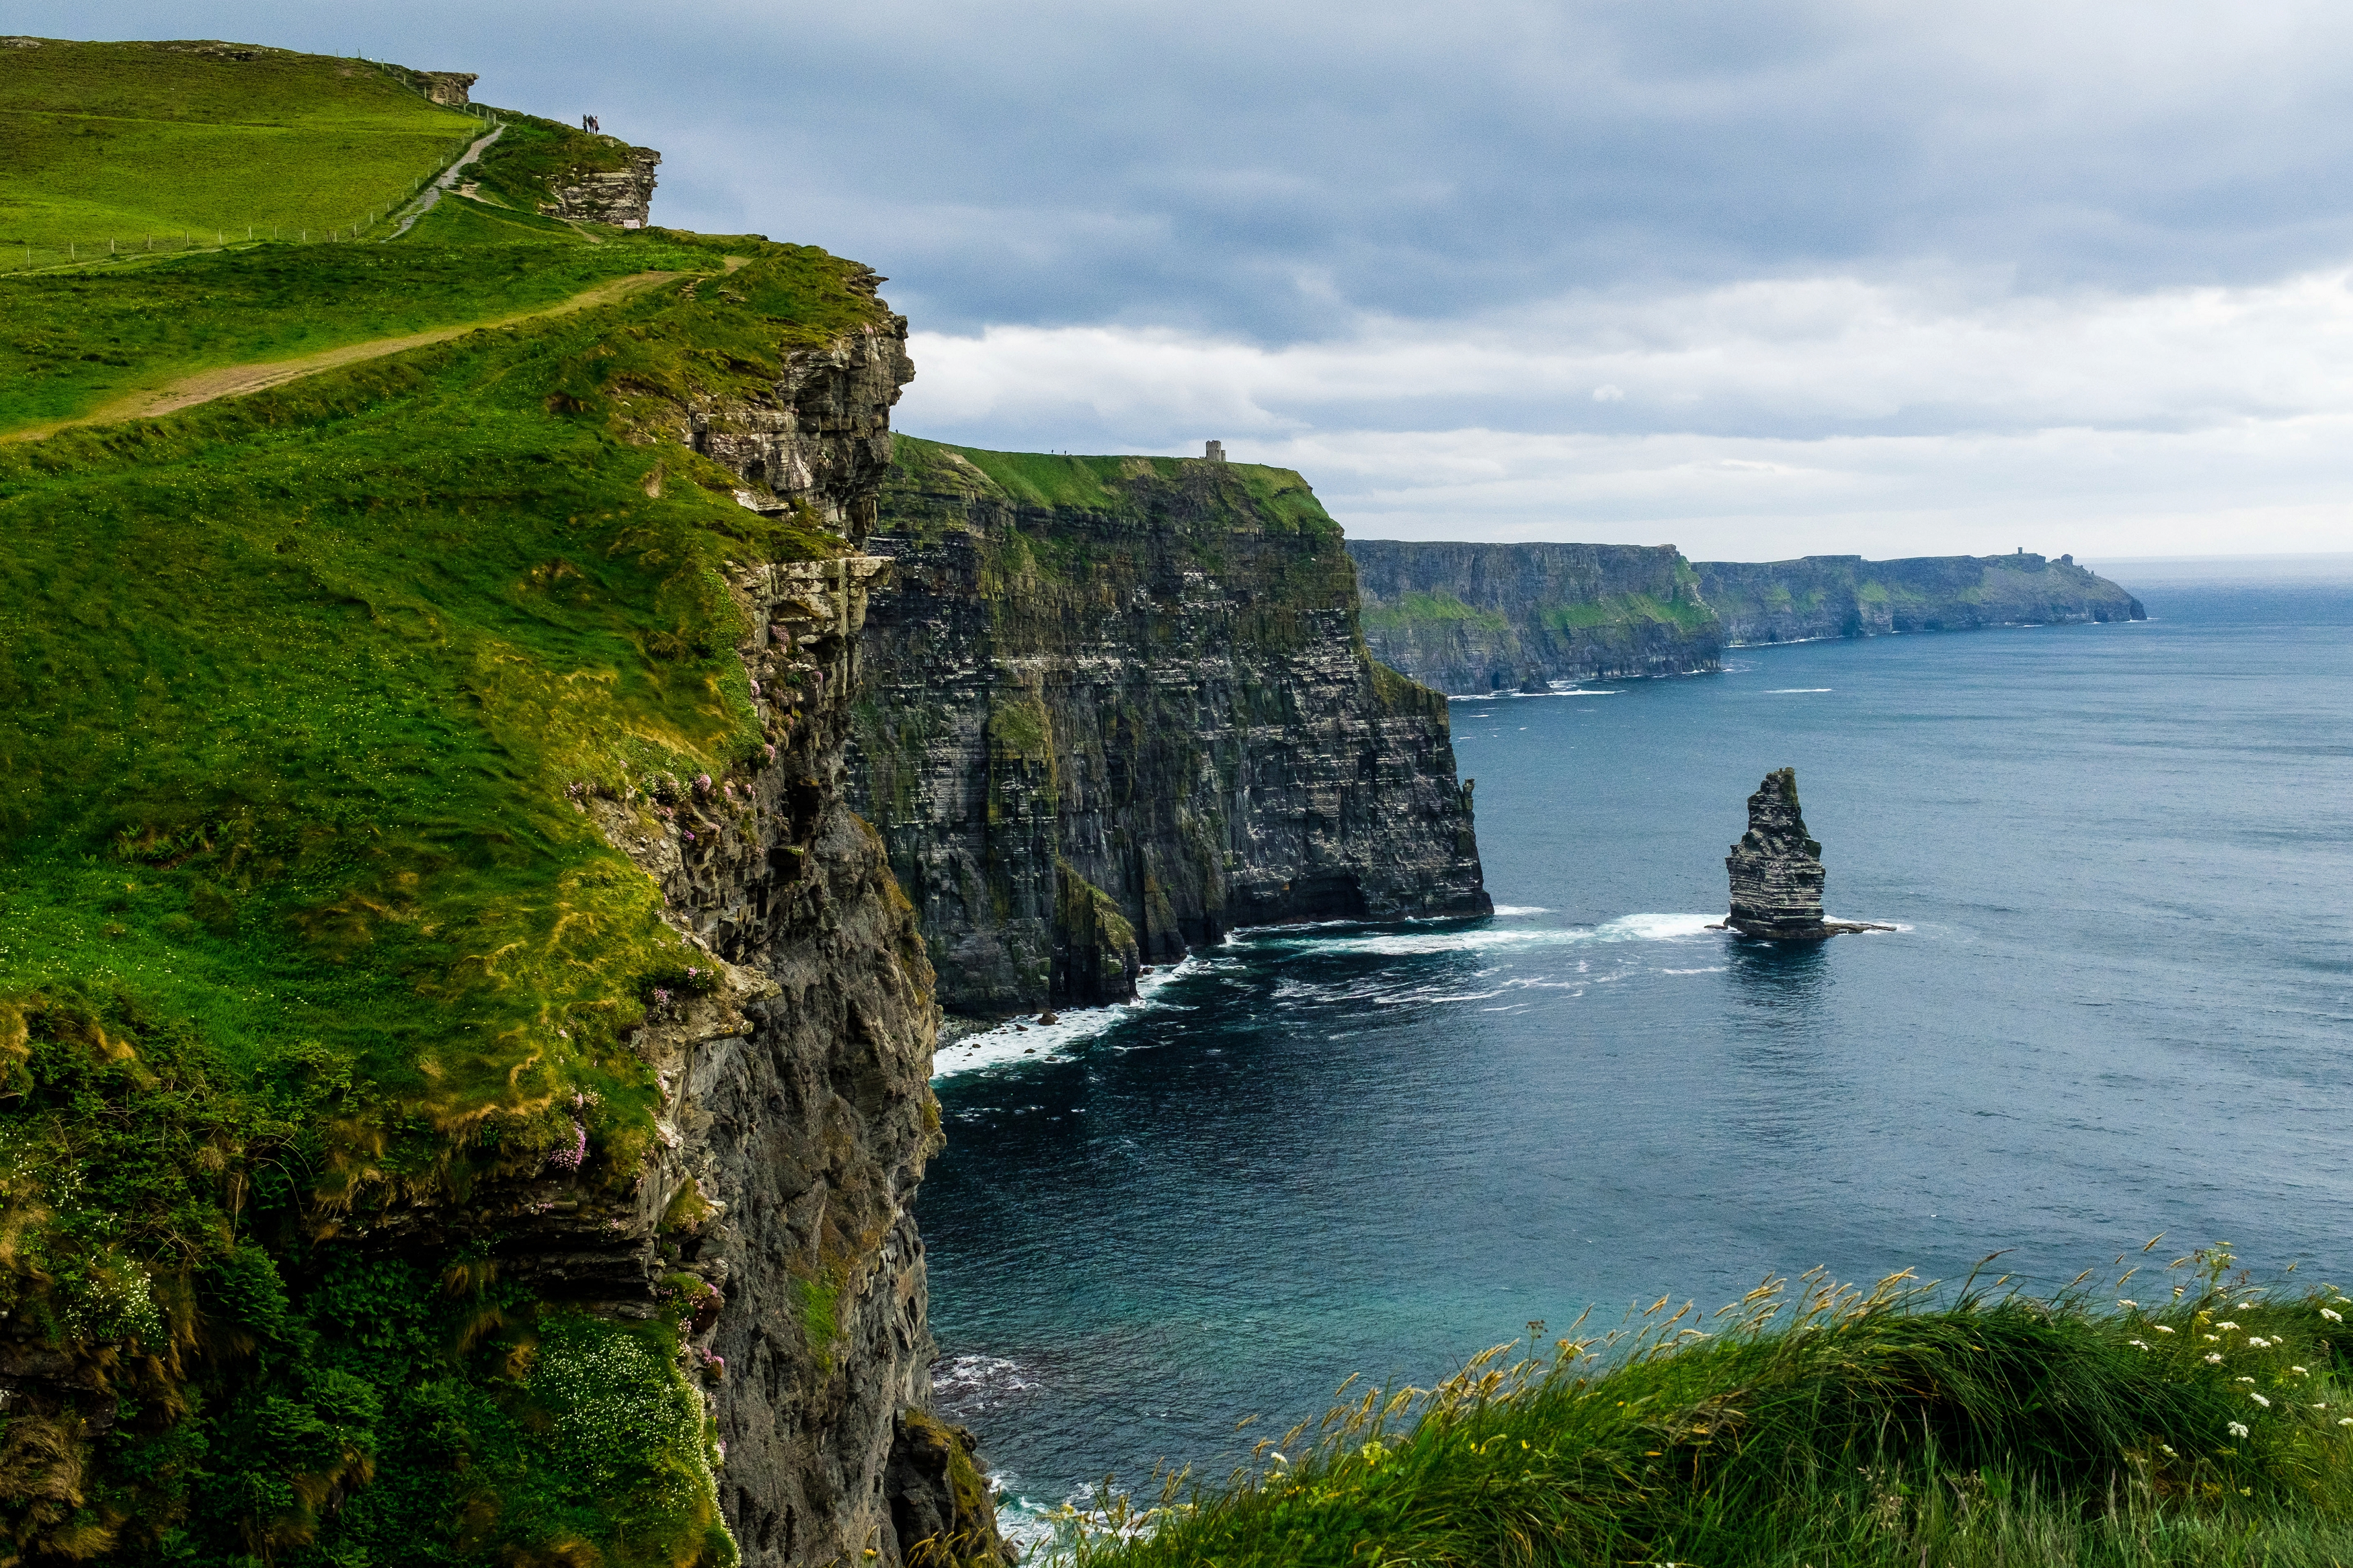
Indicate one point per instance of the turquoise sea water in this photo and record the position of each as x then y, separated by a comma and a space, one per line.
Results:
2121, 1003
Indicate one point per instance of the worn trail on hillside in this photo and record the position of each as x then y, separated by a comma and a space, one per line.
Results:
234, 380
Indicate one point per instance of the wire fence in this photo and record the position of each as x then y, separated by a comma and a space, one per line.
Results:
26, 255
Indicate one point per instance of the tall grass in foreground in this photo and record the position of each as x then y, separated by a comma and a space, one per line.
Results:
1821, 1426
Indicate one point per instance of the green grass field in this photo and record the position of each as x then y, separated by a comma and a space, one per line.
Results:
74, 340
128, 139
1817, 1428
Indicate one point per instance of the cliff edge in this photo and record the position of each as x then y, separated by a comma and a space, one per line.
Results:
464, 1067
1847, 596
1116, 707
1475, 618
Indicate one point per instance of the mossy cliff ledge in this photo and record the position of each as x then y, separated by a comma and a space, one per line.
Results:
1475, 618
1116, 707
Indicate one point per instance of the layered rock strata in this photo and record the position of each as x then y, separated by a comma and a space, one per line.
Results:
1475, 618
1116, 707
800, 1113
620, 197
1776, 867
451, 89
1776, 870
1478, 619
1847, 596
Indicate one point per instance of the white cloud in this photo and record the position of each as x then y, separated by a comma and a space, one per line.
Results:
1827, 413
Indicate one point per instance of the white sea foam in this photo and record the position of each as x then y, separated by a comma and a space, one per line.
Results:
974, 1382
1796, 690
1513, 912
1568, 689
1024, 1039
1478, 939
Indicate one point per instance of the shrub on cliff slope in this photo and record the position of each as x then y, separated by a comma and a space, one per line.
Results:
301, 918
1842, 1428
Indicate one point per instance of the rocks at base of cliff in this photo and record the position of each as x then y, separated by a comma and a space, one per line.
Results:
941, 1508
1777, 871
1095, 956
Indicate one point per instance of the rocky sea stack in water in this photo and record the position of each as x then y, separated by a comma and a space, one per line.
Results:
1776, 870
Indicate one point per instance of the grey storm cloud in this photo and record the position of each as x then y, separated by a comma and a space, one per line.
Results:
1834, 269
1275, 170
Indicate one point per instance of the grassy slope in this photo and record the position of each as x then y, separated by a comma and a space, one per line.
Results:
1841, 1427
74, 341
296, 916
127, 139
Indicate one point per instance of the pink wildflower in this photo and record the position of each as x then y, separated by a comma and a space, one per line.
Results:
570, 1158
770, 749
661, 997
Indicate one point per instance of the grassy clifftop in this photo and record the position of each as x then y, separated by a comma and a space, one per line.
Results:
1279, 499
128, 139
299, 921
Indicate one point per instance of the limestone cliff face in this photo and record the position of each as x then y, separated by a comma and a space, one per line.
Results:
1114, 708
1501, 618
621, 197
1845, 596
800, 1114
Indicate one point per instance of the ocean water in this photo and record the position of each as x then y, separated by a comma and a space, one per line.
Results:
2120, 1004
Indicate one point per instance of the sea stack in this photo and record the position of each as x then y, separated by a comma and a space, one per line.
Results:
1776, 868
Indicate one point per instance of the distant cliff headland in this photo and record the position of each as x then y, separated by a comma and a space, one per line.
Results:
1496, 617
1112, 708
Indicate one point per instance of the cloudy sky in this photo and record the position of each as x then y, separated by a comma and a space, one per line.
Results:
1757, 278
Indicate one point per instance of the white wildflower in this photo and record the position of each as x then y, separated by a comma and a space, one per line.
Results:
2300, 1371
2344, 1421
2256, 1342
2259, 1399
2213, 1360
2161, 1329
2122, 1302
2237, 1430
2332, 1315
2142, 1344
2246, 1380
2168, 1450
2228, 1327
